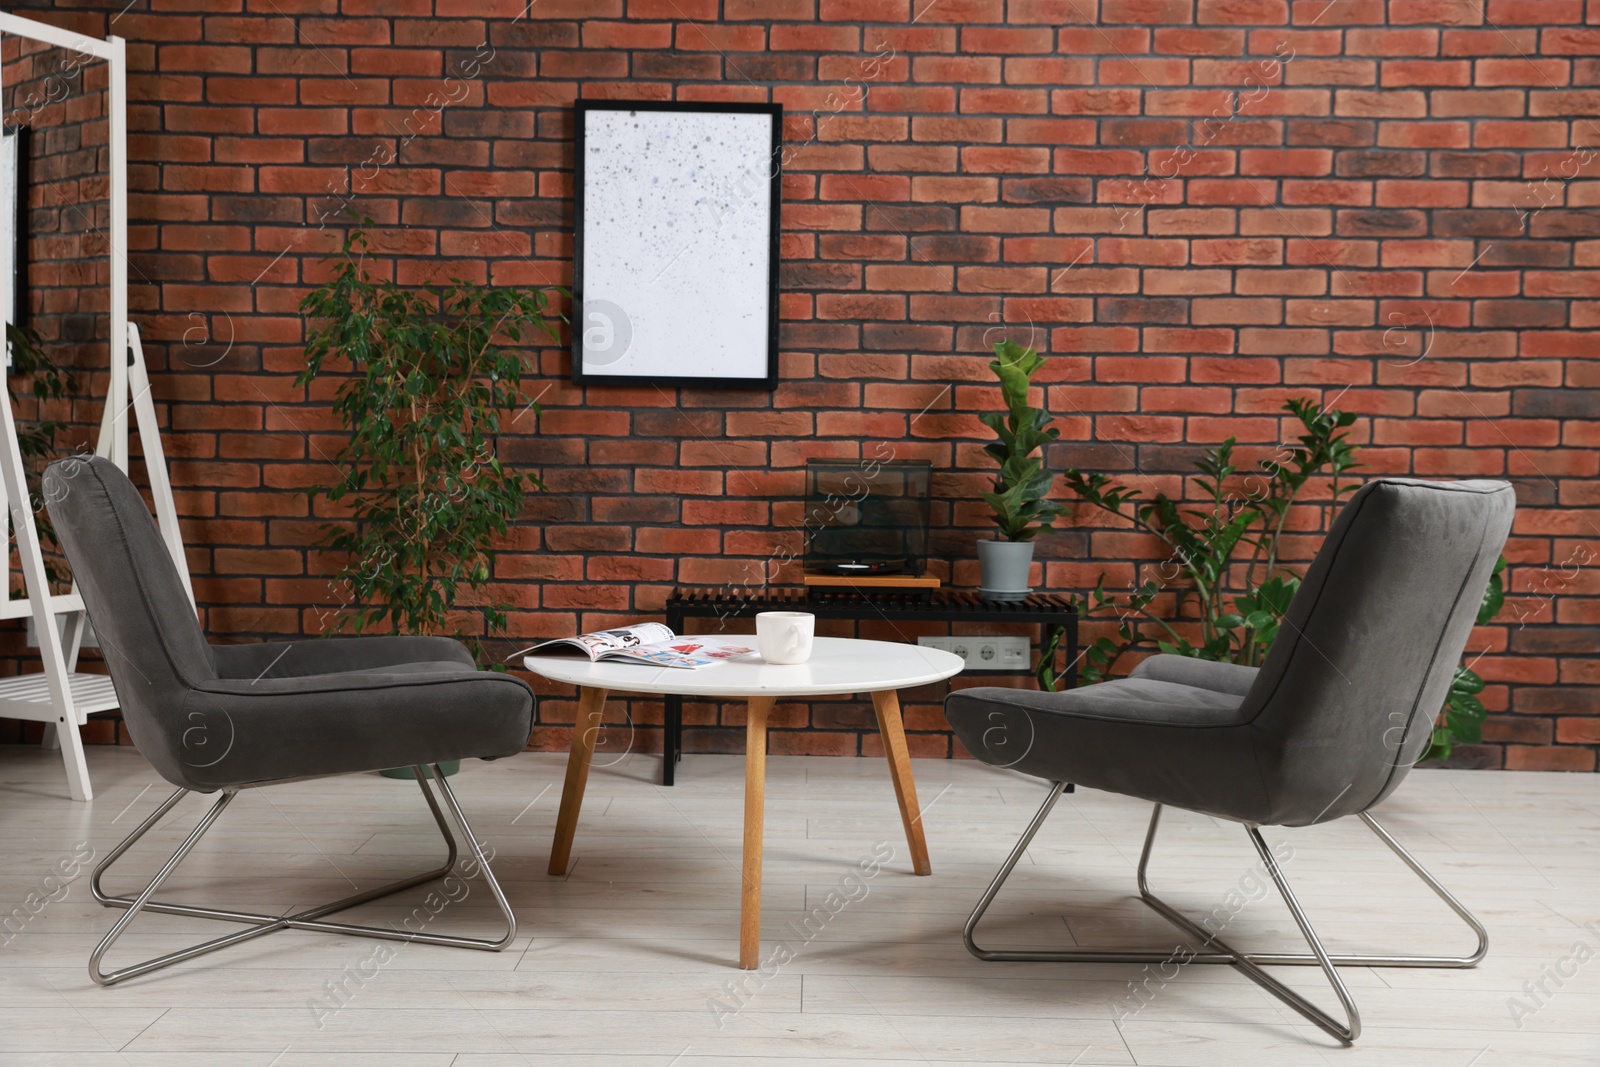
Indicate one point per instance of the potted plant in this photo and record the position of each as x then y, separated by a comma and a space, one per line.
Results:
1227, 588
1022, 488
435, 376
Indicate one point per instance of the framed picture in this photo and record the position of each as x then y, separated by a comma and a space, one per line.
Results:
14, 227
675, 243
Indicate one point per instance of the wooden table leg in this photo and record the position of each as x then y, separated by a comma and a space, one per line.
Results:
755, 792
892, 730
591, 705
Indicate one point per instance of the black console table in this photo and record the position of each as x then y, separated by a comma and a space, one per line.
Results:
1047, 610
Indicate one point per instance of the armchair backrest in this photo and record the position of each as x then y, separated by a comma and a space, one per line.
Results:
147, 629
1346, 700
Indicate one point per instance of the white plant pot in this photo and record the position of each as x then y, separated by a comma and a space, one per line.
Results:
1003, 566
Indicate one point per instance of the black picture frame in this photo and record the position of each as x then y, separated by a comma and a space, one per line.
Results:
768, 379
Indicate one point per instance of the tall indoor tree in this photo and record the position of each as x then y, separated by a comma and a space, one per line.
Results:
435, 376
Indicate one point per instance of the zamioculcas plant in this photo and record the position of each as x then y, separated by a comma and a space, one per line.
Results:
1222, 570
1461, 721
437, 377
1228, 589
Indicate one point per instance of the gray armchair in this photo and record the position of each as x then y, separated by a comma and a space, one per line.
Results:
1329, 726
225, 718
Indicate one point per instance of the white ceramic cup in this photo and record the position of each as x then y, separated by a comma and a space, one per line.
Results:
785, 636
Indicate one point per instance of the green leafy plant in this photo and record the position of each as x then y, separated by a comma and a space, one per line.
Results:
36, 438
1021, 489
1227, 587
437, 374
1461, 721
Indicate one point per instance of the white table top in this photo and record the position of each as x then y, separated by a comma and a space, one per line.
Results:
837, 665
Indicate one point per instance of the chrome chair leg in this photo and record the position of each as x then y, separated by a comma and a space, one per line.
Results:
261, 924
1210, 948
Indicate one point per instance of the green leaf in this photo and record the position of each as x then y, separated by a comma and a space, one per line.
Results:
1465, 680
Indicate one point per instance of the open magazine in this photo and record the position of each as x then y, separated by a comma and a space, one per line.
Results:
649, 642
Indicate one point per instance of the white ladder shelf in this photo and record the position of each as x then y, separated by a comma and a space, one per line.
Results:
61, 694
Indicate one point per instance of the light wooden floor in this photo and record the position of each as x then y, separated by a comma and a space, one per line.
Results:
625, 961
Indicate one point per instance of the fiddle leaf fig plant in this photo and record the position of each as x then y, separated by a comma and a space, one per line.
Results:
1021, 489
437, 375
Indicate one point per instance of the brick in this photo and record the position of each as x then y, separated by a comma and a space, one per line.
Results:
1242, 12
1339, 132
1548, 758
1425, 135
1052, 71
1537, 12
1523, 70
1565, 41
1007, 160
1103, 40
957, 69
1237, 252
1388, 104
1303, 162
1098, 101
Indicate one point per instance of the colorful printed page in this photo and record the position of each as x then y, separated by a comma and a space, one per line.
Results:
690, 653
600, 642
652, 643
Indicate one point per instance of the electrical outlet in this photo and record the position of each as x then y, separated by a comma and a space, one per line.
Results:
985, 653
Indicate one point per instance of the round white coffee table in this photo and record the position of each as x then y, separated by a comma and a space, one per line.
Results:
837, 665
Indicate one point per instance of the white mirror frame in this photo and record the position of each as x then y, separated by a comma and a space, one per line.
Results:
113, 443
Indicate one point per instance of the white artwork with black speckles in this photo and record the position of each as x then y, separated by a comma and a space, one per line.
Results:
677, 244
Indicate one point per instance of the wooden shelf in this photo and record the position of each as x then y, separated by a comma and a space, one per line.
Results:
876, 581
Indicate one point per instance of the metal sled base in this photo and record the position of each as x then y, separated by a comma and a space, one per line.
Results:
260, 925
1220, 951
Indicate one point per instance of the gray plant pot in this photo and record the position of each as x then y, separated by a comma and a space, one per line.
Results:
1003, 566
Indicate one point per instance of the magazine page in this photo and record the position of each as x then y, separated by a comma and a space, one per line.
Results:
599, 643
689, 653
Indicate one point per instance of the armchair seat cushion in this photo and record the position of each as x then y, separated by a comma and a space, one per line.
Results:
1142, 736
245, 731
1129, 700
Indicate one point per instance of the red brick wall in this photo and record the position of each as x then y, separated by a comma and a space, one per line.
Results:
1200, 208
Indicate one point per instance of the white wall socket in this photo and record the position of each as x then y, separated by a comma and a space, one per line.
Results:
985, 653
